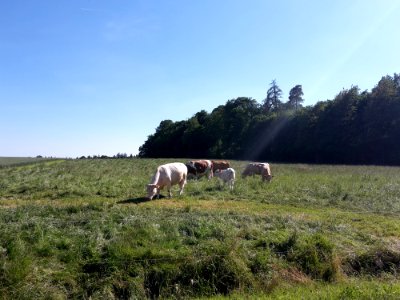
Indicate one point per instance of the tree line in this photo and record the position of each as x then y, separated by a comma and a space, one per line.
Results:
116, 156
356, 127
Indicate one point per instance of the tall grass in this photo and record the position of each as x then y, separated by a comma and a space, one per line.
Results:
82, 229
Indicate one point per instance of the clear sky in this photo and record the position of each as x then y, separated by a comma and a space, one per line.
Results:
88, 77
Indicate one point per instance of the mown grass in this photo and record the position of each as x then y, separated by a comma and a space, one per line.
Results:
6, 162
82, 228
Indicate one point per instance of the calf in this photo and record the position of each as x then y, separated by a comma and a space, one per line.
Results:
199, 168
262, 169
167, 175
227, 176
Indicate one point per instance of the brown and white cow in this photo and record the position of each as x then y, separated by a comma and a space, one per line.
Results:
220, 165
167, 175
199, 168
257, 168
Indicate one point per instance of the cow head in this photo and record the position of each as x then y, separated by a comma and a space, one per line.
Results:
268, 177
218, 173
191, 168
152, 190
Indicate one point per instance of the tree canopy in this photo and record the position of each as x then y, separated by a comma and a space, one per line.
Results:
353, 128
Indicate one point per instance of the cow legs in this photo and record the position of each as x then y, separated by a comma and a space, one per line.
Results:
169, 190
231, 183
182, 185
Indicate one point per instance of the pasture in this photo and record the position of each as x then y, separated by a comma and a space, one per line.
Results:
17, 161
83, 229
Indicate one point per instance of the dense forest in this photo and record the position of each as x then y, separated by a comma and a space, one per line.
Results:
356, 127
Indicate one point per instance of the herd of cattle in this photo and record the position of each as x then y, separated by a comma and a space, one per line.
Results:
176, 173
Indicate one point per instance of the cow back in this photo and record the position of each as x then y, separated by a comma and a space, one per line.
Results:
220, 165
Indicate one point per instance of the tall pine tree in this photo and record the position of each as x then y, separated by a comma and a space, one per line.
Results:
273, 100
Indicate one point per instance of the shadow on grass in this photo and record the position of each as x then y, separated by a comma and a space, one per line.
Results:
138, 200
214, 188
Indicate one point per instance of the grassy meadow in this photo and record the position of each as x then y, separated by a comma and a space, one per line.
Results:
83, 229
18, 161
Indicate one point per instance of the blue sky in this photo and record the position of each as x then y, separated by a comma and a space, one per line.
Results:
97, 76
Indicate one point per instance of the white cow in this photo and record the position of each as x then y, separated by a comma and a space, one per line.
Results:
257, 168
227, 176
167, 175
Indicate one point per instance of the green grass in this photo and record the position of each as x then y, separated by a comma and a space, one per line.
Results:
353, 289
4, 161
20, 161
82, 228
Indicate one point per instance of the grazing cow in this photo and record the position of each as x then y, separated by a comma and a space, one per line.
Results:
227, 176
167, 175
199, 168
191, 170
220, 165
259, 169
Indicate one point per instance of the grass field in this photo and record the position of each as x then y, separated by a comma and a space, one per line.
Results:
83, 229
18, 161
